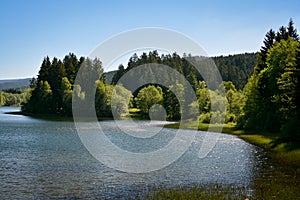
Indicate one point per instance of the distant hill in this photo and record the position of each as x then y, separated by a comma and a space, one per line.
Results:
109, 76
236, 68
14, 83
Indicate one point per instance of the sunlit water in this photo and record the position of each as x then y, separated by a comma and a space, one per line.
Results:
46, 159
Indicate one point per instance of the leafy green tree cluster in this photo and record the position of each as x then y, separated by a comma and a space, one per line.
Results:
153, 94
202, 103
272, 93
52, 91
121, 100
112, 99
234, 102
171, 102
2, 99
147, 97
183, 65
13, 96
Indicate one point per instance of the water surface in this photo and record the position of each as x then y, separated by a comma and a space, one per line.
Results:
46, 159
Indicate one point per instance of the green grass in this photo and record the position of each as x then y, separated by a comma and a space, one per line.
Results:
267, 141
269, 188
201, 126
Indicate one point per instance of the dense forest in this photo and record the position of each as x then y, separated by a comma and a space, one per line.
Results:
262, 89
51, 92
273, 91
235, 68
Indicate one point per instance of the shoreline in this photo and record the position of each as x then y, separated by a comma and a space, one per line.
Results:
286, 152
266, 141
283, 178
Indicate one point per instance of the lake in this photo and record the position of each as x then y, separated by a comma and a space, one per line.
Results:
46, 159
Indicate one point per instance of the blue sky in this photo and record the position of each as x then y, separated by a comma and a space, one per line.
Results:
31, 30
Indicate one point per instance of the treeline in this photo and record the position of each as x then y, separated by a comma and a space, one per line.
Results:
146, 96
13, 96
174, 61
269, 102
273, 91
52, 91
235, 68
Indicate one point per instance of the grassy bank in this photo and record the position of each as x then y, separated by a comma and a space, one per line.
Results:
286, 152
280, 183
268, 141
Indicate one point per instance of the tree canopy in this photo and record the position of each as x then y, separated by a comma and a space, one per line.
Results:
272, 93
235, 68
51, 92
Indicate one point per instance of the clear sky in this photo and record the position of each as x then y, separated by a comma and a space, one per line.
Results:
31, 30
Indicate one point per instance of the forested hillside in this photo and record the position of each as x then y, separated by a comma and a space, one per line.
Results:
235, 68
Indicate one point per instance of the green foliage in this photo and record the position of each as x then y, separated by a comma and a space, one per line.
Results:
110, 99
235, 68
283, 62
54, 88
13, 96
2, 99
205, 118
272, 93
103, 99
147, 97
234, 98
172, 103
71, 65
203, 97
121, 99
217, 100
118, 74
41, 100
235, 102
66, 89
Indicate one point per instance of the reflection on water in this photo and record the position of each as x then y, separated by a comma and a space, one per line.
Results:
43, 159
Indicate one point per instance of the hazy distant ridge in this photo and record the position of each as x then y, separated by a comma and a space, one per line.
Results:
14, 83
